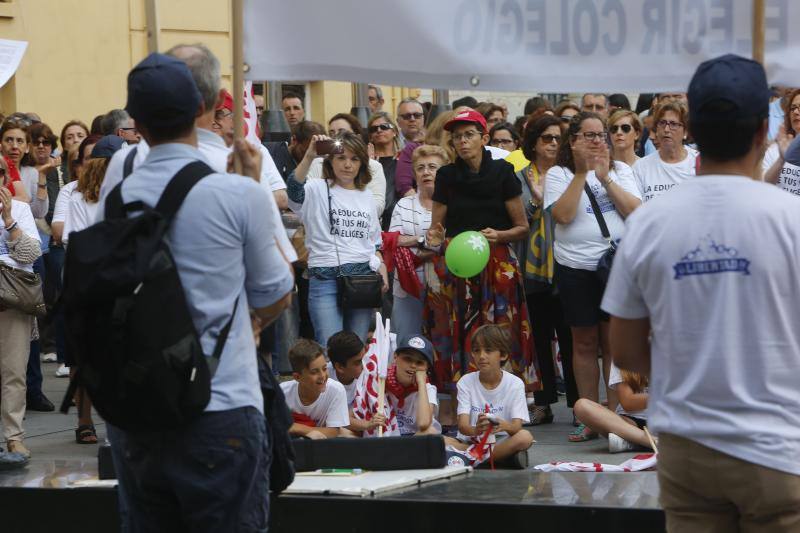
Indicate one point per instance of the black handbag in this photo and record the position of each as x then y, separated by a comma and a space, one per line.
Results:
357, 291
605, 262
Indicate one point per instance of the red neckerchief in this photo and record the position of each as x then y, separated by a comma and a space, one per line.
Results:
404, 261
303, 420
395, 387
13, 175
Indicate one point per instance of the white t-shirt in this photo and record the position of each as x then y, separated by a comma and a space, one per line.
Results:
329, 410
497, 153
712, 265
654, 176
377, 185
614, 379
506, 401
21, 213
29, 176
62, 202
410, 218
349, 389
789, 177
80, 215
355, 221
407, 415
770, 156
580, 244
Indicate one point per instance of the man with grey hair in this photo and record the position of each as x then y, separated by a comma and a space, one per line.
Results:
595, 103
118, 122
375, 97
411, 120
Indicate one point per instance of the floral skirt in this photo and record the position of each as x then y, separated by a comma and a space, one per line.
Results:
456, 307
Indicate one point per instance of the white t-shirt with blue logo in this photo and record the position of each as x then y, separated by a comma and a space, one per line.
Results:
506, 401
789, 178
407, 415
580, 244
713, 264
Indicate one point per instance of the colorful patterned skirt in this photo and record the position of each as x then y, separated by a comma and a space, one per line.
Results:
456, 307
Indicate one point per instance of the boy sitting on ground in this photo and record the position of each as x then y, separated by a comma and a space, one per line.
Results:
346, 353
492, 397
318, 403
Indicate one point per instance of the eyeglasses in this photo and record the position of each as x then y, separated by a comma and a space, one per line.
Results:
566, 118
42, 142
432, 167
133, 129
467, 135
626, 128
259, 109
549, 138
794, 108
224, 113
372, 99
382, 127
669, 124
593, 136
503, 142
409, 116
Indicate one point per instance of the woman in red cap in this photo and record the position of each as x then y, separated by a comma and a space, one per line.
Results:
477, 193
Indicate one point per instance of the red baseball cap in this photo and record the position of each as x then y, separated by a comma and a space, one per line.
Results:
227, 101
468, 116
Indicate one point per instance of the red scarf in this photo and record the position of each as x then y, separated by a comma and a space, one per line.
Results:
404, 260
303, 420
13, 175
398, 389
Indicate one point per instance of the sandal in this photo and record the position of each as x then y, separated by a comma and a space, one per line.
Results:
541, 414
582, 434
86, 434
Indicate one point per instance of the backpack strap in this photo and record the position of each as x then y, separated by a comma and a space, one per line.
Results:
127, 165
179, 186
213, 361
116, 208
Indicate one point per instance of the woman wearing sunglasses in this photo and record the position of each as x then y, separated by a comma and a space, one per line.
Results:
584, 161
382, 132
625, 128
673, 162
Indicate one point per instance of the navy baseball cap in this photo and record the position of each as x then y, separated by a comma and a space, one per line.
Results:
737, 80
161, 92
416, 343
106, 147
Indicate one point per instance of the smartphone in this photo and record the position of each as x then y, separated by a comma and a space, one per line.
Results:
328, 146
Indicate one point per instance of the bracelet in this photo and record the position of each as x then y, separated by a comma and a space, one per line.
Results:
608, 182
11, 227
41, 186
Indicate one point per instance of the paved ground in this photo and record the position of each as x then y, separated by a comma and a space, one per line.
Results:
52, 435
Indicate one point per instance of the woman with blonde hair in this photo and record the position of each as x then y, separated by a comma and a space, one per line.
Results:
385, 142
625, 129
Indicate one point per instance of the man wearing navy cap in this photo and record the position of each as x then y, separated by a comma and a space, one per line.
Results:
710, 270
211, 475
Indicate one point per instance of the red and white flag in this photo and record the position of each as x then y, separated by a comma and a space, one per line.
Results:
645, 461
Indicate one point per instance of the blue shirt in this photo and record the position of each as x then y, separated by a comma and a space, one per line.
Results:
775, 118
223, 243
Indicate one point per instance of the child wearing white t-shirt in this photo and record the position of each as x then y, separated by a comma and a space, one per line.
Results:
407, 389
346, 354
318, 403
492, 397
625, 428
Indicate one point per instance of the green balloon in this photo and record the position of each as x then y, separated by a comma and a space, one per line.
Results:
467, 254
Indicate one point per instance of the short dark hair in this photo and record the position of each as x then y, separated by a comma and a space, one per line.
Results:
40, 129
533, 132
465, 101
343, 346
305, 129
500, 126
160, 134
294, 95
724, 139
303, 353
532, 104
619, 100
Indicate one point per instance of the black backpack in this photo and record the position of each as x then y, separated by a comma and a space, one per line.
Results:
279, 420
128, 326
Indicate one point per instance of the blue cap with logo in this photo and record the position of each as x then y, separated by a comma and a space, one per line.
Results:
416, 343
734, 79
161, 92
106, 147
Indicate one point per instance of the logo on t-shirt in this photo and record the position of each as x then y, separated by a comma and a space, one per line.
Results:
709, 257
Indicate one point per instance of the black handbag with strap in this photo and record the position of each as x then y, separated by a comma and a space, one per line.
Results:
354, 291
605, 262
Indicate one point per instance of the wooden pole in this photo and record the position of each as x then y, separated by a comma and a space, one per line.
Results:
238, 77
381, 399
758, 30
153, 30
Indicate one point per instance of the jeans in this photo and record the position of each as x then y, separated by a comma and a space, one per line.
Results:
407, 315
209, 476
328, 318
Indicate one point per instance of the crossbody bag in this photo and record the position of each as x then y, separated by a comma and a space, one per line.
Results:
605, 262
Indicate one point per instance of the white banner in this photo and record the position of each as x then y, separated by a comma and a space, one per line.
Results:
528, 45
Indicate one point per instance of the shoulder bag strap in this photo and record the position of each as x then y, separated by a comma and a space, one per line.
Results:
601, 221
213, 362
330, 222
127, 164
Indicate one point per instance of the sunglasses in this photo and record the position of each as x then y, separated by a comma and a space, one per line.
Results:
626, 128
549, 138
380, 127
43, 142
409, 116
566, 118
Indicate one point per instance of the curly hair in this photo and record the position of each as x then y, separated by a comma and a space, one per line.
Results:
91, 178
787, 115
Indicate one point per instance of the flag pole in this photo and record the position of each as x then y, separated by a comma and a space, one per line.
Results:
758, 30
238, 77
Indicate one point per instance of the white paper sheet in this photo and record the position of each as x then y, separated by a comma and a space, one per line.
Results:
11, 53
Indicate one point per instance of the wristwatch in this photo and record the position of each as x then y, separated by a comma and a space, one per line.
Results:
421, 242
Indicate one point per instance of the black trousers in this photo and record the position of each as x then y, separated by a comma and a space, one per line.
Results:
547, 319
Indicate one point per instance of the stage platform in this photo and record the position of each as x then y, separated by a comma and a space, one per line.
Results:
42, 497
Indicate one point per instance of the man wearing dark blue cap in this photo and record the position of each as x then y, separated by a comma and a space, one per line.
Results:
710, 270
211, 475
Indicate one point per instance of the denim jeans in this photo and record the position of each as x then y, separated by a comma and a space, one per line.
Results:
328, 318
210, 476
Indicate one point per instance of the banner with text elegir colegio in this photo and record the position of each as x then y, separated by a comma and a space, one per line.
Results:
504, 45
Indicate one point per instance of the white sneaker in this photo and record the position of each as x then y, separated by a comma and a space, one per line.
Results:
62, 372
617, 444
49, 358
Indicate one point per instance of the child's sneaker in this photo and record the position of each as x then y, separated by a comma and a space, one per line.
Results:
49, 358
617, 444
519, 460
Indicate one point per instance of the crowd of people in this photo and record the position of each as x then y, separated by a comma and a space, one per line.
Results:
375, 203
